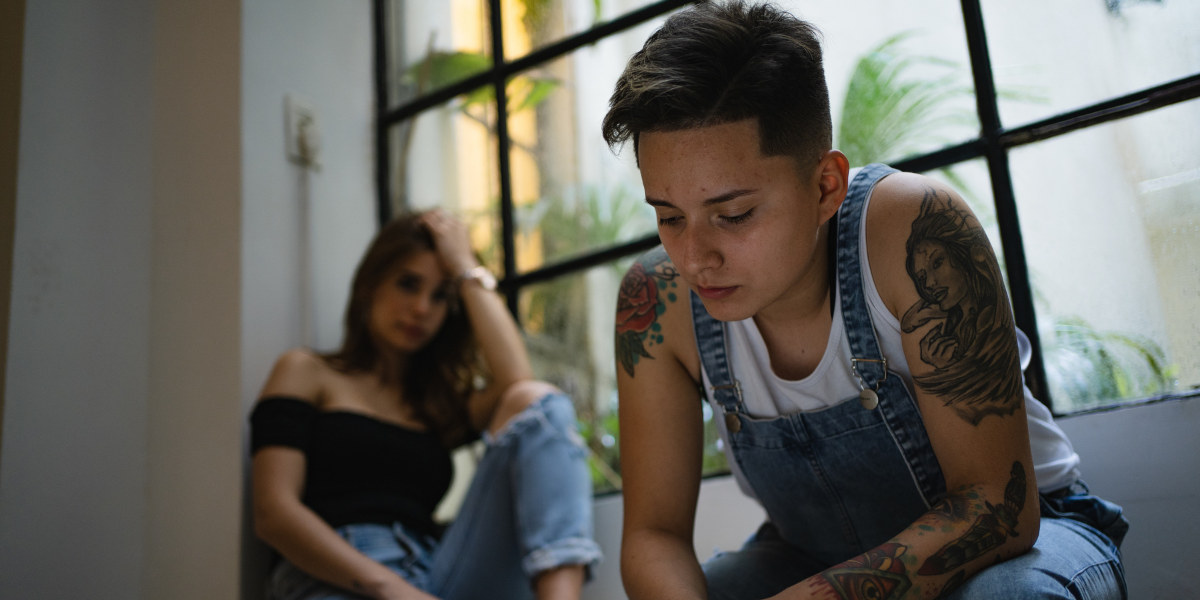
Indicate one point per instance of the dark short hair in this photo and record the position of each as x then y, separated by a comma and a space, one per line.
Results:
720, 62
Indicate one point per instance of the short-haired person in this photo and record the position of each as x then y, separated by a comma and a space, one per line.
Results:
852, 334
351, 448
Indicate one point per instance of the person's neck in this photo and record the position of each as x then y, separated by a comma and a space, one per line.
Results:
807, 300
390, 368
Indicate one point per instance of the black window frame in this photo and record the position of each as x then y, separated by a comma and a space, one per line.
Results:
992, 144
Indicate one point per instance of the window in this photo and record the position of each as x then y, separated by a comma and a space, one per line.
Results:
1075, 136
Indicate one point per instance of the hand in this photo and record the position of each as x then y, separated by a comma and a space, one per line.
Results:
938, 349
398, 589
450, 240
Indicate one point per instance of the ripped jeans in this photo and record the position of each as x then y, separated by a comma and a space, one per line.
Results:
529, 509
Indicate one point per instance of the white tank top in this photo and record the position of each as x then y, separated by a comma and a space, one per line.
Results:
765, 394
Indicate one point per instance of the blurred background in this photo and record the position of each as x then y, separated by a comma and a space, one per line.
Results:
188, 187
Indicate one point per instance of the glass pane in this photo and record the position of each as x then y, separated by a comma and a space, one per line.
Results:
447, 157
1110, 217
571, 193
435, 44
899, 75
568, 325
531, 24
1052, 57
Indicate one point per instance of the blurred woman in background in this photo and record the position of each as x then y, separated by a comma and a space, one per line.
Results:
352, 449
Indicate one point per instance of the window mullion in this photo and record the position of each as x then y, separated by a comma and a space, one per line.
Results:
1002, 192
507, 229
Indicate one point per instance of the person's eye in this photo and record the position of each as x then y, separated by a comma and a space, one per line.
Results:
409, 283
736, 219
668, 221
442, 294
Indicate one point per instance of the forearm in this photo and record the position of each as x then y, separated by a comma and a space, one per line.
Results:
973, 528
497, 335
660, 566
311, 544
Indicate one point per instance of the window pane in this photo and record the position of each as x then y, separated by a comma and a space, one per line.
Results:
447, 157
435, 44
532, 24
1110, 217
568, 324
1071, 53
571, 193
899, 75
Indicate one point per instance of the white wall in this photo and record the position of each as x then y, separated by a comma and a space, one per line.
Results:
72, 477
302, 231
119, 476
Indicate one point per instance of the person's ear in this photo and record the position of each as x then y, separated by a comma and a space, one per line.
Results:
833, 180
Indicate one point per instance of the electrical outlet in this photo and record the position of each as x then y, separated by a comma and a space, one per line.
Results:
303, 131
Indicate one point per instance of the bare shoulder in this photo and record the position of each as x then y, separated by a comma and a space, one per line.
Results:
896, 204
935, 269
298, 373
653, 321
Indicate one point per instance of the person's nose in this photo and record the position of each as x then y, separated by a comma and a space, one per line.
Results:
698, 251
422, 305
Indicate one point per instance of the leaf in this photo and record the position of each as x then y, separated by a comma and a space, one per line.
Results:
538, 90
439, 69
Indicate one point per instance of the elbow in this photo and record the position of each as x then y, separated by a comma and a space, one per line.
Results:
267, 523
1033, 530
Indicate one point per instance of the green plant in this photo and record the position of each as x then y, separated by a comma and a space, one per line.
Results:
889, 113
1089, 366
439, 69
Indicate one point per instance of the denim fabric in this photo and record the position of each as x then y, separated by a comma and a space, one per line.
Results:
1070, 561
820, 475
529, 509
842, 480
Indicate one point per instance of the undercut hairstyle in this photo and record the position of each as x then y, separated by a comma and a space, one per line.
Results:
719, 62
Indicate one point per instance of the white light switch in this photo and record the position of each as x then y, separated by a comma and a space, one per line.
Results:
303, 132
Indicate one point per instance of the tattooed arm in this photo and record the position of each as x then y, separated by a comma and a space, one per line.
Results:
936, 271
661, 432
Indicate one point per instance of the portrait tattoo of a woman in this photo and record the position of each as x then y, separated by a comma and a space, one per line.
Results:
969, 340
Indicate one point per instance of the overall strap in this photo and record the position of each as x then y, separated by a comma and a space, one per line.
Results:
714, 355
864, 347
896, 405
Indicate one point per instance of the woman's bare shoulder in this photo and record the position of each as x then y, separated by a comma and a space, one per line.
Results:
298, 373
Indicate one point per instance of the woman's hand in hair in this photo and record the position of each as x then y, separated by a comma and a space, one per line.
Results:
451, 240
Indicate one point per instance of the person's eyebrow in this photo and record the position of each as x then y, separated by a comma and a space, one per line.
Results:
726, 197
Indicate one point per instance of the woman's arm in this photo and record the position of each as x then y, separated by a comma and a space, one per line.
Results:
661, 436
286, 524
928, 251
494, 328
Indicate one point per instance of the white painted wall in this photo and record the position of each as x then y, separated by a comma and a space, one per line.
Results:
72, 478
119, 476
302, 231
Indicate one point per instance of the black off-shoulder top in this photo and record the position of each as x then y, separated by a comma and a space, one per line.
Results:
358, 469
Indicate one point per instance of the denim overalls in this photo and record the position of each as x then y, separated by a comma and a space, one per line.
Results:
839, 481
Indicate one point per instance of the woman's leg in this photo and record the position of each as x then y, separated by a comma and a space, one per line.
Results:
1069, 561
394, 547
764, 566
527, 517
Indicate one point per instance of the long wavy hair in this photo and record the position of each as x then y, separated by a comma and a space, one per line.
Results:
437, 381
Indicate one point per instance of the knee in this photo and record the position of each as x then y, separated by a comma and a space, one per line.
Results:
515, 399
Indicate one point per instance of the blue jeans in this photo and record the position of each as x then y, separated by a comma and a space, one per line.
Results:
529, 509
1071, 560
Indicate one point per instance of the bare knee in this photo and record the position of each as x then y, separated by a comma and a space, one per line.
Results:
516, 398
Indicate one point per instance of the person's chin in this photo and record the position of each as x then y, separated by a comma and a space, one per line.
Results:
734, 307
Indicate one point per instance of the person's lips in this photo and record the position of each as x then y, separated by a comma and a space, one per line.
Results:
413, 331
715, 293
